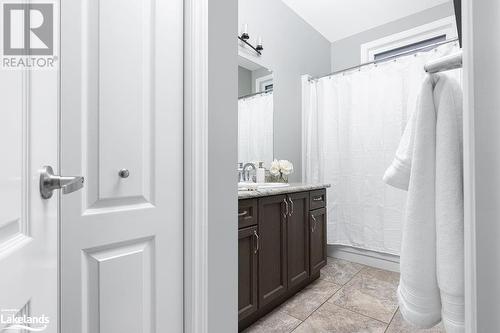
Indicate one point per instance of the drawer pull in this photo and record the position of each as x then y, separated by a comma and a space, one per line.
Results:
291, 205
314, 224
320, 198
256, 241
243, 213
287, 211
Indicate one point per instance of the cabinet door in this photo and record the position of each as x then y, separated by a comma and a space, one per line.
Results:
317, 227
247, 271
272, 252
298, 238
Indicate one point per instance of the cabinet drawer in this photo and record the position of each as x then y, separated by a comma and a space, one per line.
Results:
247, 213
317, 199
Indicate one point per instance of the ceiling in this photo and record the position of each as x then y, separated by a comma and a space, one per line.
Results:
248, 64
337, 19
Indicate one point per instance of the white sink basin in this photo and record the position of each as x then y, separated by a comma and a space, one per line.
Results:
257, 186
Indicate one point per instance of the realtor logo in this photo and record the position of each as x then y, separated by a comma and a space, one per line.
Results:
28, 35
28, 29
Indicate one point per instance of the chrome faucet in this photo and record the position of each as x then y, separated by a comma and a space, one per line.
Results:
246, 171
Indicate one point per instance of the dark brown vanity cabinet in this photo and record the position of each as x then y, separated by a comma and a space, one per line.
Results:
248, 243
317, 232
272, 252
297, 231
282, 247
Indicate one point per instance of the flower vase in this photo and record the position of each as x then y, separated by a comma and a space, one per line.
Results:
282, 178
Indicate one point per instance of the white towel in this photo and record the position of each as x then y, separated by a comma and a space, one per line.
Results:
398, 173
418, 290
428, 164
449, 202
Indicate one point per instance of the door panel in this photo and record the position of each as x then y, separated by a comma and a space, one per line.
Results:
122, 237
119, 107
28, 223
14, 176
247, 272
133, 263
272, 252
317, 227
298, 239
126, 132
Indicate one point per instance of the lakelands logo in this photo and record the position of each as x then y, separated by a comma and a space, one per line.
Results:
28, 35
11, 320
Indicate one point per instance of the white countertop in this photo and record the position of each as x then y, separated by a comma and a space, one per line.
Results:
294, 187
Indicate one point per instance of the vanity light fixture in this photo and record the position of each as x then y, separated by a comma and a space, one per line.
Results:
244, 37
244, 33
259, 46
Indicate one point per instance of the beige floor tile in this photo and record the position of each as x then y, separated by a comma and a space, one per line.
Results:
399, 325
391, 277
275, 322
372, 292
330, 318
309, 299
339, 271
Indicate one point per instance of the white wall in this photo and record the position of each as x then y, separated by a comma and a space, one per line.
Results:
244, 81
222, 159
482, 70
346, 52
291, 48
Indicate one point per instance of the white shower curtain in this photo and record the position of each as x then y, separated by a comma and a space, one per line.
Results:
255, 129
352, 124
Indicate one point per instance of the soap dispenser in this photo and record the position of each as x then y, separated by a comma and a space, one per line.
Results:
261, 173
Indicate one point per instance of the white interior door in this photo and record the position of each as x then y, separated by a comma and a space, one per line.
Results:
28, 223
121, 108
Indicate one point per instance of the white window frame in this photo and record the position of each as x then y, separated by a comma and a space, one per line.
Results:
446, 26
262, 81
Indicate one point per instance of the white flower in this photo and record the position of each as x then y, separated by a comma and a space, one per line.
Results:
275, 168
286, 167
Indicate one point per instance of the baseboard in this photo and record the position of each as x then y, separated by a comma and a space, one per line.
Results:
385, 261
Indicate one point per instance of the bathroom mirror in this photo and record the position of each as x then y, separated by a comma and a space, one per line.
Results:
255, 113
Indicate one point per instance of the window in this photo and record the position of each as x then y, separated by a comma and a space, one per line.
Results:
264, 83
430, 33
409, 49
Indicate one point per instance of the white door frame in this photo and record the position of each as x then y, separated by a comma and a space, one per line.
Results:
469, 171
196, 166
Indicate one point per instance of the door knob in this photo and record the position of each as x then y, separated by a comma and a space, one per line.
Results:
50, 182
123, 173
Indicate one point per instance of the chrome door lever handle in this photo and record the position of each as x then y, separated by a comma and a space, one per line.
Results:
50, 182
71, 184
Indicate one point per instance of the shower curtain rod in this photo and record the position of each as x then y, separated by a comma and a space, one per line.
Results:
257, 93
395, 56
445, 63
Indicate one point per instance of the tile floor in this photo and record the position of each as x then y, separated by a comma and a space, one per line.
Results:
347, 298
